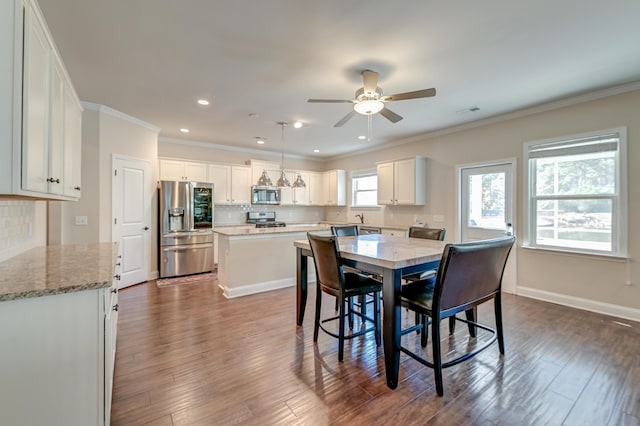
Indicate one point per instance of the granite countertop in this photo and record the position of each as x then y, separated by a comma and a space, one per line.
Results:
49, 270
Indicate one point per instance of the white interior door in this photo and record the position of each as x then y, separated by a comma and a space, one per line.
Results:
486, 207
132, 218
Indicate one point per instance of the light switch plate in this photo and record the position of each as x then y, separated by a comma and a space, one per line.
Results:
82, 220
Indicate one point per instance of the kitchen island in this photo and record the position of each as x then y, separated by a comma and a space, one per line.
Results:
57, 335
252, 260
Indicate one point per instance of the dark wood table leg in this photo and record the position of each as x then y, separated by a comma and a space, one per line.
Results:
391, 325
301, 285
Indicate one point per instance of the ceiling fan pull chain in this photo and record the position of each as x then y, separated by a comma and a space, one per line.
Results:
369, 127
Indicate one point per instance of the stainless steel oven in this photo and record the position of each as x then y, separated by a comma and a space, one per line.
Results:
265, 195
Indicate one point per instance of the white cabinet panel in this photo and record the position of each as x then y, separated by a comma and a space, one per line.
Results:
46, 151
183, 170
402, 182
315, 189
335, 188
231, 184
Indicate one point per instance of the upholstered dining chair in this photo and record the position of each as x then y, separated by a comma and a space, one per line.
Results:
332, 279
428, 234
469, 274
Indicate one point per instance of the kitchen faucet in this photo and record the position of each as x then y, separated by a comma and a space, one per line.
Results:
361, 216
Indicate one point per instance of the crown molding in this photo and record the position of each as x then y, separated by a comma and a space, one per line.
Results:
536, 109
207, 145
115, 113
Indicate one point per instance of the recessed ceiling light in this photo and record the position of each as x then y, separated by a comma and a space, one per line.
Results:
260, 142
316, 150
203, 102
362, 137
183, 130
297, 124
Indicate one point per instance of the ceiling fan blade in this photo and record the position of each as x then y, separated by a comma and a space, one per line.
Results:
370, 79
390, 115
344, 119
425, 93
331, 101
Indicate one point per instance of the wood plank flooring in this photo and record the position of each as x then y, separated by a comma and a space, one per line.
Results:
188, 356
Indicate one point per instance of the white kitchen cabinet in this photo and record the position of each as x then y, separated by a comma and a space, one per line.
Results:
394, 232
56, 361
402, 182
41, 102
258, 166
315, 189
231, 183
334, 188
295, 196
110, 336
183, 170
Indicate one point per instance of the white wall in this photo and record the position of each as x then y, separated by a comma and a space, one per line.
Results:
586, 281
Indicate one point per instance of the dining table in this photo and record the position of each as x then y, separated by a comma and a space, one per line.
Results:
390, 257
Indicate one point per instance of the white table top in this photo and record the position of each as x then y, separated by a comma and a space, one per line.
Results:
386, 251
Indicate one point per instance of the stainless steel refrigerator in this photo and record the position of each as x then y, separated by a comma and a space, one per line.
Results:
186, 228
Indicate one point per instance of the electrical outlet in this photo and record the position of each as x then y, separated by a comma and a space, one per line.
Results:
438, 218
82, 220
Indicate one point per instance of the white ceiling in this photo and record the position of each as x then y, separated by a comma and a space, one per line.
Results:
152, 59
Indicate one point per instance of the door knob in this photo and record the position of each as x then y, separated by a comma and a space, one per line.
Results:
146, 228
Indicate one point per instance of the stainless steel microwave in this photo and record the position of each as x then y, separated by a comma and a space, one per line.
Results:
265, 195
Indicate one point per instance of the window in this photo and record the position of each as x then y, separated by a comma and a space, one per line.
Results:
364, 187
577, 193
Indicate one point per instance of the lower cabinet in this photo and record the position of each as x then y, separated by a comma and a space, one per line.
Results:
56, 358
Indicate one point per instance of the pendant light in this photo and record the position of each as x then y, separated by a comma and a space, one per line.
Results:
264, 180
282, 182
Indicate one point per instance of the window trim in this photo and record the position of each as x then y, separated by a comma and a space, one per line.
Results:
620, 198
360, 174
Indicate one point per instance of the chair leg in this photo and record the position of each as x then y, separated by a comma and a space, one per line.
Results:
497, 304
471, 315
418, 318
425, 331
316, 324
341, 330
452, 324
437, 356
376, 316
350, 312
363, 304
337, 303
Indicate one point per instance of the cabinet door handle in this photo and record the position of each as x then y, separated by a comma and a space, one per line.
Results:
114, 290
116, 307
77, 188
117, 277
52, 180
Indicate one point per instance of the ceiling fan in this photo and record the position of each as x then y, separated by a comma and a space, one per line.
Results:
369, 99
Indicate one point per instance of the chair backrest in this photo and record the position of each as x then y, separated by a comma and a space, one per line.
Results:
470, 273
326, 259
427, 233
344, 230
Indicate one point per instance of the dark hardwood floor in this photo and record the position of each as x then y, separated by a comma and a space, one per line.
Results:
188, 356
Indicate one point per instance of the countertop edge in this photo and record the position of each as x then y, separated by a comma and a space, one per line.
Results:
7, 297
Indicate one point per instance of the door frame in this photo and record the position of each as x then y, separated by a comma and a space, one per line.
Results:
115, 237
511, 281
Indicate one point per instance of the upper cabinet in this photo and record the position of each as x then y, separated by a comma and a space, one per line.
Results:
315, 189
402, 182
334, 188
183, 170
41, 113
231, 183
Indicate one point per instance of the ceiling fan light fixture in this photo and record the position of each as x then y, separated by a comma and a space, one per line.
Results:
368, 106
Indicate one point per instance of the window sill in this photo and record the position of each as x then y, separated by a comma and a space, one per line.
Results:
576, 253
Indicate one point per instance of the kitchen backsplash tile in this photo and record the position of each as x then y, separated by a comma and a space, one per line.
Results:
17, 221
231, 215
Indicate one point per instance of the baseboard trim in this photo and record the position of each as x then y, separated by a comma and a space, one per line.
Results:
246, 290
580, 303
